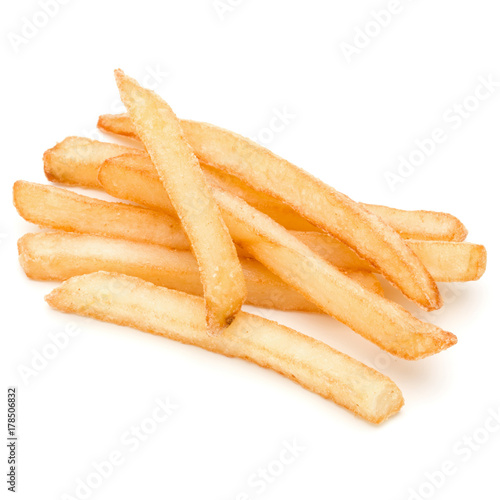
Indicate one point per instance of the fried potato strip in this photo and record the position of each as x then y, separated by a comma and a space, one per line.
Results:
60, 255
130, 301
183, 180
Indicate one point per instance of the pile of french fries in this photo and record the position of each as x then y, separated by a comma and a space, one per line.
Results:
214, 221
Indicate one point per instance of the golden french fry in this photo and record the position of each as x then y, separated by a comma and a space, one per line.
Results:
183, 180
60, 255
452, 260
130, 301
383, 322
421, 224
76, 160
375, 318
57, 208
415, 224
446, 260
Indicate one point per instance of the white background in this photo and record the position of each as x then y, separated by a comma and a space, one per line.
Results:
351, 122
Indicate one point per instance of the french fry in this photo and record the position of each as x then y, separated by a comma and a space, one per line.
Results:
421, 224
413, 224
375, 318
447, 261
130, 301
59, 255
183, 180
452, 261
76, 160
60, 166
57, 208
